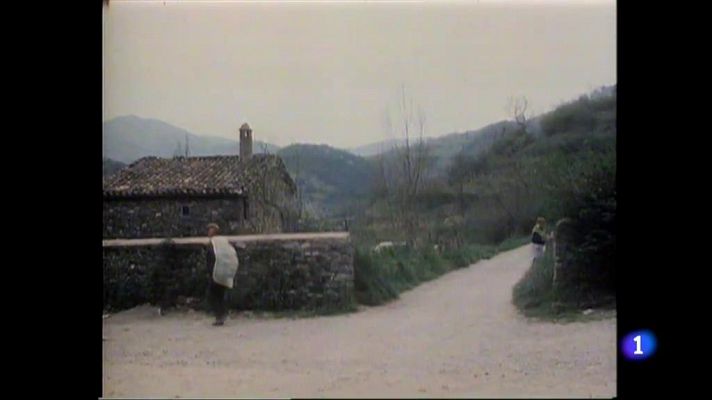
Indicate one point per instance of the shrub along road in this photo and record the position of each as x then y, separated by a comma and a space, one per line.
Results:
456, 336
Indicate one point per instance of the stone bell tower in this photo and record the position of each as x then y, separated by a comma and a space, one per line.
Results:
245, 141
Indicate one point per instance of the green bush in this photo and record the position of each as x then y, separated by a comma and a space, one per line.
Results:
512, 243
371, 283
591, 206
584, 115
535, 294
380, 277
535, 288
589, 279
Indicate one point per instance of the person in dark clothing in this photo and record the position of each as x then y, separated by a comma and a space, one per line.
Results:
216, 292
539, 238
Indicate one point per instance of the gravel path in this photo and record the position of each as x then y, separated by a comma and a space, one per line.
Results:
456, 336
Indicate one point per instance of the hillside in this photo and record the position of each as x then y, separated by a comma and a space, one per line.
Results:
373, 149
499, 178
562, 166
443, 148
128, 138
110, 166
331, 180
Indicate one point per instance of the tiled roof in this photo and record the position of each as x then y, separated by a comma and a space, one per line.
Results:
215, 175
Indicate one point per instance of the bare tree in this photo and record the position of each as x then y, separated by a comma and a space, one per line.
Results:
264, 147
384, 180
178, 150
517, 109
460, 174
297, 156
404, 182
264, 144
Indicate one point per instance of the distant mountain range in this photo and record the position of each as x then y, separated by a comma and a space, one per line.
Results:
373, 149
128, 138
331, 179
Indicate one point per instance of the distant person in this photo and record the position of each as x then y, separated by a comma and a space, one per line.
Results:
222, 266
539, 238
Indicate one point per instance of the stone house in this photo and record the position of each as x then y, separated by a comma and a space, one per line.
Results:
177, 197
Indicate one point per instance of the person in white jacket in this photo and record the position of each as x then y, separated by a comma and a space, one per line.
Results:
216, 292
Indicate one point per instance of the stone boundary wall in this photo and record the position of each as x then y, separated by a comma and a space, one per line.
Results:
301, 271
162, 216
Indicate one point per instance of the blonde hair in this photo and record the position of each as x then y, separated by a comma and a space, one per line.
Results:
540, 220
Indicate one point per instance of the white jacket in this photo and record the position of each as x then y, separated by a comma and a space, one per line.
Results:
226, 261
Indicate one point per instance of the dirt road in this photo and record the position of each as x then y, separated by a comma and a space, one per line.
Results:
456, 336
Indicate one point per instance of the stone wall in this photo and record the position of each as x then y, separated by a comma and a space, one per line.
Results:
163, 217
272, 204
277, 272
563, 248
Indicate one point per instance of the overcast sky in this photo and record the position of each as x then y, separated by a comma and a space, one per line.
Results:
327, 73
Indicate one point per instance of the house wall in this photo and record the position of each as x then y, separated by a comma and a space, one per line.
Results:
276, 272
271, 207
273, 204
131, 218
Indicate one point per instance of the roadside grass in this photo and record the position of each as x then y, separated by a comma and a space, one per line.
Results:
536, 297
381, 277
567, 314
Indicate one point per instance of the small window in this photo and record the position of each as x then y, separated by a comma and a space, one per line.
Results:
185, 211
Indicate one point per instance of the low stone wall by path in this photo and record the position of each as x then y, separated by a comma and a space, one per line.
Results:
563, 247
307, 271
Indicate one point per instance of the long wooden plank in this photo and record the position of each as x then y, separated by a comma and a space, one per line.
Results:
233, 239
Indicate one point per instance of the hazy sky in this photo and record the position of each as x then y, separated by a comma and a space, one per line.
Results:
328, 73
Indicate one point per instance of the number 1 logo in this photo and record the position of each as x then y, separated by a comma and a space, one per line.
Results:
639, 345
638, 350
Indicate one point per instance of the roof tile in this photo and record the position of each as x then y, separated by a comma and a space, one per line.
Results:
151, 176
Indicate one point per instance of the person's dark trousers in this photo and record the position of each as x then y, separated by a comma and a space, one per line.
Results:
216, 296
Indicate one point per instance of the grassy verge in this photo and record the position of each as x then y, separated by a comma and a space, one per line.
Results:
381, 277
536, 296
512, 243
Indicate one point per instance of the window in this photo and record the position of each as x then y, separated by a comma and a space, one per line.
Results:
185, 211
244, 209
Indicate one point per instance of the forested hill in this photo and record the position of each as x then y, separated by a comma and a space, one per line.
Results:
331, 180
111, 166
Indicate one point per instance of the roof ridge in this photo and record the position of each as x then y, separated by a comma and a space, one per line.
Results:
196, 175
